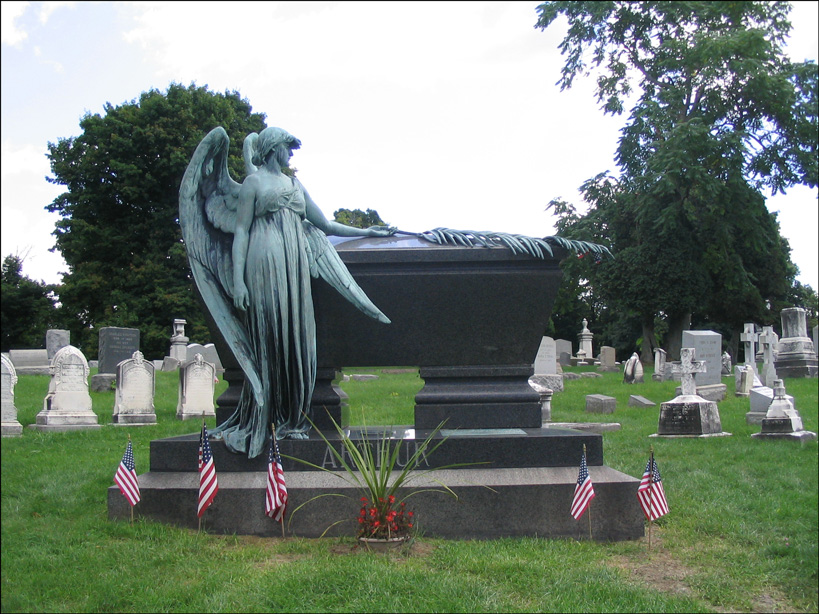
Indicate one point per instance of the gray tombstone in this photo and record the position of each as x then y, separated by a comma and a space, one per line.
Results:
196, 387
563, 350
179, 342
659, 365
10, 426
796, 356
608, 359
600, 404
688, 414
708, 348
67, 406
55, 340
816, 340
116, 344
30, 362
208, 352
136, 384
760, 399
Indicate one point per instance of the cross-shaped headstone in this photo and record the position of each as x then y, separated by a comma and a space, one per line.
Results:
767, 340
687, 368
749, 337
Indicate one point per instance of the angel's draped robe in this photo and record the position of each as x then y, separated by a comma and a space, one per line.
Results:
280, 324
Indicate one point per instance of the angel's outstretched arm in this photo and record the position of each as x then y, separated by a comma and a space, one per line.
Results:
244, 218
329, 227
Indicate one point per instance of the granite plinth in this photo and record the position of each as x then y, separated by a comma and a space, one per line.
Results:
710, 392
535, 468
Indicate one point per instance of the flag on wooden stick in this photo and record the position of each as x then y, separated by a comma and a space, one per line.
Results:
651, 493
126, 477
208, 485
583, 490
276, 500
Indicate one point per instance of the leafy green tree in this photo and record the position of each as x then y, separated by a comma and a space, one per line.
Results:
28, 307
358, 218
119, 229
719, 114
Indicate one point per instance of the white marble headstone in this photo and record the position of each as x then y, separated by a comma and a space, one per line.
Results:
67, 406
10, 426
196, 387
546, 359
134, 399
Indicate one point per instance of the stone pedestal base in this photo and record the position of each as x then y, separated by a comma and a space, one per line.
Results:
133, 419
12, 429
534, 468
103, 382
689, 416
796, 436
800, 367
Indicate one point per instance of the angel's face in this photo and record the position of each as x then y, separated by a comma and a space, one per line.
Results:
283, 154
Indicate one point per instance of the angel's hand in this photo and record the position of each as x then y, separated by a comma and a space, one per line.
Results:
241, 299
381, 231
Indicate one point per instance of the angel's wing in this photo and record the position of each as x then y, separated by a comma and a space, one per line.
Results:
207, 215
326, 263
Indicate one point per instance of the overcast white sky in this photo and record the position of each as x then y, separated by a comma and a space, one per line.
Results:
434, 114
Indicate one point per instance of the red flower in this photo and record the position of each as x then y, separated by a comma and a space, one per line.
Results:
391, 498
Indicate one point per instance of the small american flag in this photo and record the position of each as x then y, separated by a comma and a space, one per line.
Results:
126, 477
208, 485
651, 493
583, 491
276, 500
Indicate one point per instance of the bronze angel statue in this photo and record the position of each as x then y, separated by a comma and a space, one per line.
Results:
252, 249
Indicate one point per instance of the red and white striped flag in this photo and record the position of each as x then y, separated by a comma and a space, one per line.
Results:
126, 477
208, 485
651, 493
583, 491
276, 500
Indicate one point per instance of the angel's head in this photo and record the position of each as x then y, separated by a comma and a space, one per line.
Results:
269, 140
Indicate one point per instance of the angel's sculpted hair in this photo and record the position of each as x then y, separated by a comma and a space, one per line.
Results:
269, 139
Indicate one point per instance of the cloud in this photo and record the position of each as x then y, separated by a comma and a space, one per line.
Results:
10, 33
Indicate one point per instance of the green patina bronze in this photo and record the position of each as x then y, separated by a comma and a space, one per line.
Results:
252, 249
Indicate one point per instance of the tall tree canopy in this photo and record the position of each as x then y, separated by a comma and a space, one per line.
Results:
119, 230
719, 114
27, 310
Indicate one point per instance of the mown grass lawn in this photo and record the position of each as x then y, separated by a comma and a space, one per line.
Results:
741, 534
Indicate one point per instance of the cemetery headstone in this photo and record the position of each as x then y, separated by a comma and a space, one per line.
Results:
760, 353
136, 385
67, 406
608, 359
545, 367
816, 340
179, 347
600, 404
115, 345
208, 352
563, 350
633, 370
726, 364
767, 340
707, 346
688, 414
743, 380
10, 426
584, 339
749, 338
30, 362
659, 365
196, 386
797, 355
635, 400
56, 339
760, 399
580, 359
782, 421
